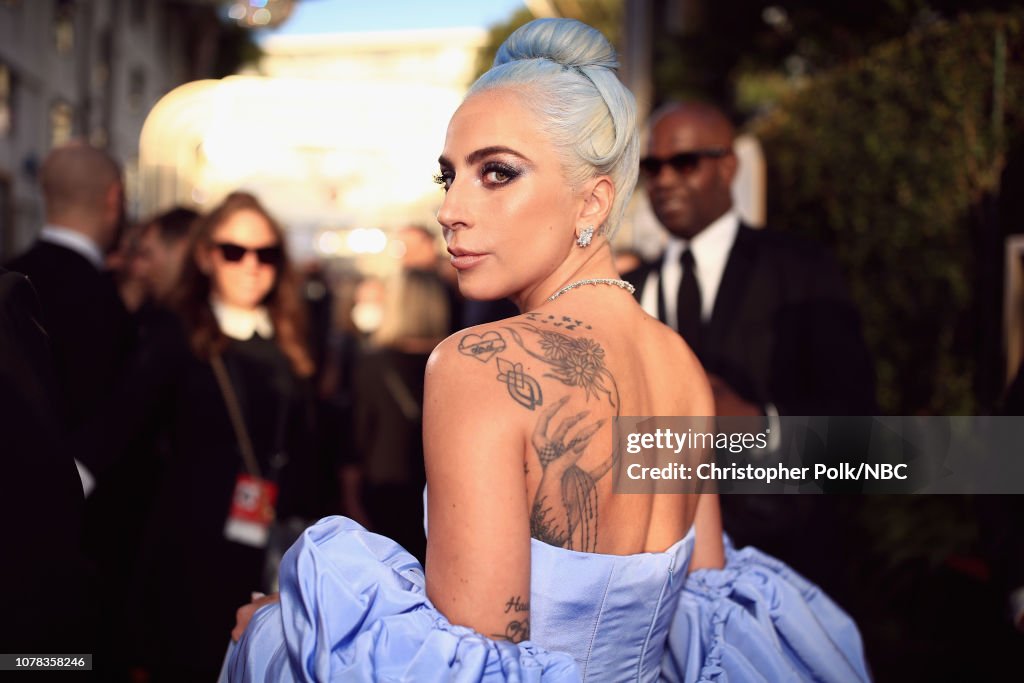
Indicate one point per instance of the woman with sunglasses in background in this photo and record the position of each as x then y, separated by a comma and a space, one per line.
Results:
228, 384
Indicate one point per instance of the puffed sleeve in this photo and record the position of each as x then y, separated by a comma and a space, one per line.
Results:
757, 620
354, 608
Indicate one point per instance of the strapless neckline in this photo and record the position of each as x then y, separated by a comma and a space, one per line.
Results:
671, 550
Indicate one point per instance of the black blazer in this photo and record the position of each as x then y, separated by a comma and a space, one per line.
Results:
783, 329
89, 328
41, 498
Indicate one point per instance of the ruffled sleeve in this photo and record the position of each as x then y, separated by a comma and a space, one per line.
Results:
354, 608
758, 620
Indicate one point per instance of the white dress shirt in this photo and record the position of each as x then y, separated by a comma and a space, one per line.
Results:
710, 250
75, 241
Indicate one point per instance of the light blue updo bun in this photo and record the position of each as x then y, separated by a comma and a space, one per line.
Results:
566, 70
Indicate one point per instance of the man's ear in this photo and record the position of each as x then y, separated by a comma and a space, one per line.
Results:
597, 201
113, 201
728, 167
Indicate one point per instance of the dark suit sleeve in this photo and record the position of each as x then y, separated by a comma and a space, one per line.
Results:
41, 500
365, 408
829, 368
139, 401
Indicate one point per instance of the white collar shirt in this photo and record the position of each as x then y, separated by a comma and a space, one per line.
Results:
710, 250
242, 323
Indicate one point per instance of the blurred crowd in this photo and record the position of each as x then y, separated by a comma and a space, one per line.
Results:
214, 398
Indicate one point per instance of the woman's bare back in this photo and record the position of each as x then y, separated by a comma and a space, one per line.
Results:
566, 370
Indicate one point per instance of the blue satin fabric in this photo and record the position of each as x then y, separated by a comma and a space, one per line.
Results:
354, 608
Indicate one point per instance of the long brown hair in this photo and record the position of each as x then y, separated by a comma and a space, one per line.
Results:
283, 303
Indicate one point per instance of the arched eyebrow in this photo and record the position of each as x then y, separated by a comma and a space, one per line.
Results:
483, 153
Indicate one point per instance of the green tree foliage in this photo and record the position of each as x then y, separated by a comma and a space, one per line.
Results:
604, 15
888, 158
713, 43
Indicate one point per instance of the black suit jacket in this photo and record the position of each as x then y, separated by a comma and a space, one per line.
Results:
89, 328
40, 493
783, 329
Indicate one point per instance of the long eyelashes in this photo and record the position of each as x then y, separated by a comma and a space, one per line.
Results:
497, 173
493, 174
444, 178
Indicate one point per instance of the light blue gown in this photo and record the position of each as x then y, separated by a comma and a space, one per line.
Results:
354, 608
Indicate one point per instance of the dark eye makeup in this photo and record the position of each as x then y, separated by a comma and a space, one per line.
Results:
493, 173
499, 173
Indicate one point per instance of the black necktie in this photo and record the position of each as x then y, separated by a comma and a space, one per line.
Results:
688, 303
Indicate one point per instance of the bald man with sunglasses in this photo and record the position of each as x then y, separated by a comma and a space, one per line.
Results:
766, 313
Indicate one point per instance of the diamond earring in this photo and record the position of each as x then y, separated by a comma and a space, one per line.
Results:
586, 234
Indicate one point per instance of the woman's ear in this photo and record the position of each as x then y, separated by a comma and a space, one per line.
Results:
597, 201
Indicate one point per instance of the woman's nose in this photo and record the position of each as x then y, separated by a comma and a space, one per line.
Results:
453, 213
251, 261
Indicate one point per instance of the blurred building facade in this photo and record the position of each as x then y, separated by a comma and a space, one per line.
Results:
339, 134
89, 69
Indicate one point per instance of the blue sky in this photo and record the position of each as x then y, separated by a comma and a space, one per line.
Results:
335, 16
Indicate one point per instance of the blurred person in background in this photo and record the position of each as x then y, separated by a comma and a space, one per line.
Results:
41, 502
89, 328
344, 348
229, 383
726, 286
768, 316
119, 263
1001, 522
152, 254
421, 254
420, 247
91, 335
368, 306
160, 254
319, 301
388, 406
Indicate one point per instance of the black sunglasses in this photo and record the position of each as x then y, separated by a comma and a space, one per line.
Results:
681, 162
268, 256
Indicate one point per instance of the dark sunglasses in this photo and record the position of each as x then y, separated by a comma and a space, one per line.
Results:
682, 162
268, 256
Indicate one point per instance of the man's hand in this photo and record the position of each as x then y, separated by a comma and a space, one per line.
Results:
244, 614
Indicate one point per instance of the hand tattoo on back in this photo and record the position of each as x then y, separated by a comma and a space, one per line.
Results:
564, 512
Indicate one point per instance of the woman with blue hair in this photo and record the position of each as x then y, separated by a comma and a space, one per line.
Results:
537, 568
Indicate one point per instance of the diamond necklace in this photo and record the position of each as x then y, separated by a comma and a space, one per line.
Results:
622, 284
